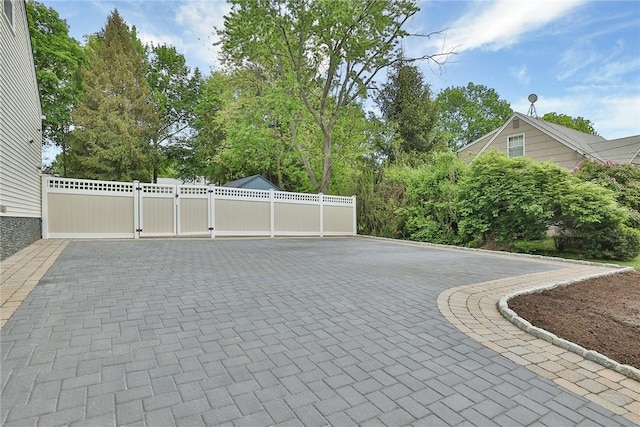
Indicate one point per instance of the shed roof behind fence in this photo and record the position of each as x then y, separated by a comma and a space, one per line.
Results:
255, 182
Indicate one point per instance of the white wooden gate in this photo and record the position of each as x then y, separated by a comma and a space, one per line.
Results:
102, 209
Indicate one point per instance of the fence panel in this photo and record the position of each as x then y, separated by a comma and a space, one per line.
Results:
157, 212
193, 211
241, 212
339, 215
87, 209
75, 208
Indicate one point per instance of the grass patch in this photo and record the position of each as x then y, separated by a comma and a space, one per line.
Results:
546, 247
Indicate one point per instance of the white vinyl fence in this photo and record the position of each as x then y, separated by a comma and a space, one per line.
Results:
74, 208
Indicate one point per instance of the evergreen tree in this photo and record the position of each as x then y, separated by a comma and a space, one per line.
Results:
114, 118
406, 105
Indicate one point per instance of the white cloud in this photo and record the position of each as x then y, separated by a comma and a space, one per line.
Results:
502, 23
576, 59
521, 74
618, 116
613, 116
160, 39
198, 21
613, 71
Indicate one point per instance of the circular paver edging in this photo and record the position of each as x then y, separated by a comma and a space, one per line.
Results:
525, 325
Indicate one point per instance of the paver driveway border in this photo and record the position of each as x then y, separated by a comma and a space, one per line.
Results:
471, 308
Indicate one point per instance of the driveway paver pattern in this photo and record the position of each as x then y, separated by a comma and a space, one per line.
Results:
473, 309
267, 332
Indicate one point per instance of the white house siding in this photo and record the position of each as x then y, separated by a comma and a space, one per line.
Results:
20, 135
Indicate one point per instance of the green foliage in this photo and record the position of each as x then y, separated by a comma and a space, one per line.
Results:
174, 93
576, 123
467, 113
430, 212
623, 180
589, 219
379, 215
406, 105
506, 199
115, 116
323, 54
57, 58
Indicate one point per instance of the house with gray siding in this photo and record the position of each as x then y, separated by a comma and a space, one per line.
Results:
20, 133
527, 136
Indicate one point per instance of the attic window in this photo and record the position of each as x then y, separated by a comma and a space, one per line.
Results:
515, 145
8, 10
516, 123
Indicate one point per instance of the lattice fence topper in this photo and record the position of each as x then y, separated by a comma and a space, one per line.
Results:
83, 208
158, 189
89, 185
299, 197
193, 190
241, 193
338, 200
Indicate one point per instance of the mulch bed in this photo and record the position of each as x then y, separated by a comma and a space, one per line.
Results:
601, 314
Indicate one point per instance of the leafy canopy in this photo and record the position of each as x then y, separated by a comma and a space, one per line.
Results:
576, 123
325, 54
467, 113
57, 58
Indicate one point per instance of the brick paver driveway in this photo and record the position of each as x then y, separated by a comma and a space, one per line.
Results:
259, 332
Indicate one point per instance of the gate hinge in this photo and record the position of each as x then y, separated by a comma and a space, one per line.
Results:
139, 230
211, 228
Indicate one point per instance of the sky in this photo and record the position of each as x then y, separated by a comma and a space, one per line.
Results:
581, 58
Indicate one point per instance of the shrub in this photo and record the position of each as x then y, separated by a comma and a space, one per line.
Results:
506, 199
430, 212
377, 203
623, 180
588, 219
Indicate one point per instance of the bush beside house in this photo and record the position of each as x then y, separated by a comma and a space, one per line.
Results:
496, 201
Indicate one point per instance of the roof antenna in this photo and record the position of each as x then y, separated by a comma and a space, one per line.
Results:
532, 108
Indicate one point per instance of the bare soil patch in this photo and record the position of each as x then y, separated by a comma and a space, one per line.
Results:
601, 314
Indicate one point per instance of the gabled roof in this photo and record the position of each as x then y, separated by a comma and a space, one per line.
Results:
621, 150
594, 147
254, 182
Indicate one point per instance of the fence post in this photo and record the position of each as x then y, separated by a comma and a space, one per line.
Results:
272, 210
45, 207
137, 194
212, 211
355, 216
321, 200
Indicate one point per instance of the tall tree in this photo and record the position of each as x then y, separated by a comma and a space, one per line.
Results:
325, 53
467, 113
115, 116
577, 123
57, 58
406, 105
175, 91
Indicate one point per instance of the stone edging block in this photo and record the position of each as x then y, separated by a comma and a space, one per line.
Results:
537, 332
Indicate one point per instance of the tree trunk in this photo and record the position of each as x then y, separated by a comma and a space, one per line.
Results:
305, 161
326, 159
154, 159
